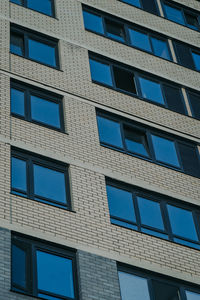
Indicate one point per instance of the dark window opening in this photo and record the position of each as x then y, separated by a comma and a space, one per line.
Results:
124, 80
115, 30
136, 141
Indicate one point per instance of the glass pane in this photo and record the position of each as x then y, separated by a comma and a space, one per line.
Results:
133, 2
196, 58
121, 203
115, 30
93, 22
160, 48
17, 102
100, 72
109, 132
151, 90
165, 151
48, 297
49, 183
18, 266
150, 213
182, 222
186, 243
133, 287
42, 52
123, 224
192, 21
192, 296
155, 233
44, 6
54, 274
16, 1
45, 111
135, 141
18, 174
16, 44
174, 14
168, 292
140, 40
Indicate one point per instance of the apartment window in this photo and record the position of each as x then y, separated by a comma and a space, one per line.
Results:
45, 6
194, 100
39, 179
133, 208
42, 270
137, 284
147, 143
104, 24
181, 15
147, 5
127, 80
36, 105
34, 46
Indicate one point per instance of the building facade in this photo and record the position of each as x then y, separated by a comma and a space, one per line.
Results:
99, 143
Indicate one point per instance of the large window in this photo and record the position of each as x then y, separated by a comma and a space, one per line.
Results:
36, 105
39, 179
43, 271
136, 284
45, 6
148, 5
133, 208
147, 143
34, 46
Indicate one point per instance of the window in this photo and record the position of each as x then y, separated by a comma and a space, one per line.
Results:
181, 15
194, 99
147, 5
39, 179
41, 270
127, 80
34, 46
133, 208
136, 284
147, 143
36, 105
132, 35
45, 6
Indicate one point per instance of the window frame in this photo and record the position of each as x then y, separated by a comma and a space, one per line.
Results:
188, 91
163, 201
46, 95
32, 159
24, 4
156, 6
32, 245
28, 34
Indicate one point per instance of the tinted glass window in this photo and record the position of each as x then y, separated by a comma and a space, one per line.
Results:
93, 22
44, 6
182, 222
124, 80
18, 174
115, 30
136, 141
109, 132
195, 104
100, 72
16, 1
133, 287
192, 296
160, 48
174, 14
54, 274
196, 58
41, 52
168, 292
18, 266
133, 2
45, 111
151, 90
17, 102
16, 44
192, 21
49, 183
139, 39
165, 151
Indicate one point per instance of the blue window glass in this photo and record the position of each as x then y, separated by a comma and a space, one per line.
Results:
16, 44
182, 222
18, 267
18, 170
100, 72
192, 296
93, 22
121, 204
41, 52
133, 2
45, 111
54, 275
43, 296
155, 233
17, 102
151, 90
139, 39
109, 132
160, 48
136, 141
150, 213
16, 1
44, 6
49, 184
196, 58
174, 14
165, 151
115, 30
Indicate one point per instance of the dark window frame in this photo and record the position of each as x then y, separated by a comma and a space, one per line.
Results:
33, 90
142, 8
191, 107
32, 159
163, 202
178, 141
24, 4
32, 245
27, 34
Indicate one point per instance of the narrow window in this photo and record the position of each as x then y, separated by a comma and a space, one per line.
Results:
160, 48
139, 39
196, 58
192, 21
151, 90
195, 104
174, 14
93, 22
19, 176
100, 72
17, 102
115, 30
124, 80
17, 44
136, 141
133, 2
